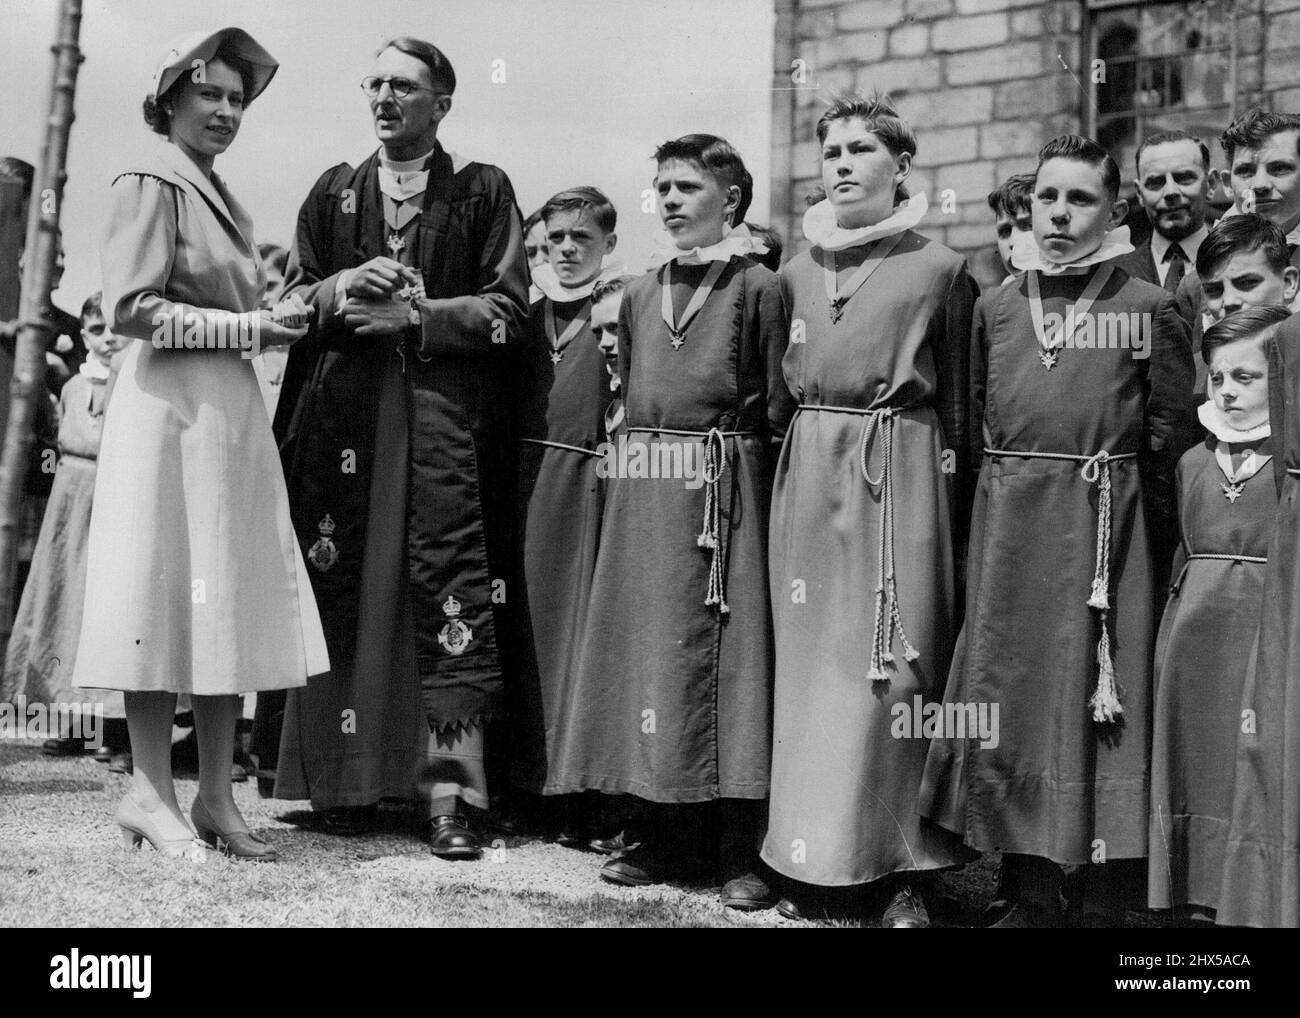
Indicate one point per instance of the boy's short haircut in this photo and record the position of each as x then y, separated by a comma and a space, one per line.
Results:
532, 221
1165, 138
607, 287
578, 198
1082, 150
775, 247
1014, 196
93, 305
1242, 234
1254, 127
714, 156
880, 115
1258, 323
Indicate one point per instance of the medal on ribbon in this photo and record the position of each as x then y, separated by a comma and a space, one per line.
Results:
324, 553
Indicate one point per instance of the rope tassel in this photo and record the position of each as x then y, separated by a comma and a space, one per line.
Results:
715, 461
1105, 703
888, 618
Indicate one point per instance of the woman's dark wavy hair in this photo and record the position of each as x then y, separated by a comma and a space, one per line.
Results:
155, 106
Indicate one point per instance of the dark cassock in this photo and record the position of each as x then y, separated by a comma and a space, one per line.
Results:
672, 699
564, 398
1261, 868
399, 459
1080, 446
865, 520
1227, 504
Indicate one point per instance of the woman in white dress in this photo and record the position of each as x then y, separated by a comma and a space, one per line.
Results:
195, 582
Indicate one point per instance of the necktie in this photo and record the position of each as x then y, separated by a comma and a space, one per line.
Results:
1177, 264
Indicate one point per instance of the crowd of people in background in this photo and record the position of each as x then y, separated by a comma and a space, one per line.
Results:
808, 576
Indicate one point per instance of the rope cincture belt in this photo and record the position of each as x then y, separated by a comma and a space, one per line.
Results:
560, 445
1095, 470
888, 618
1177, 585
710, 536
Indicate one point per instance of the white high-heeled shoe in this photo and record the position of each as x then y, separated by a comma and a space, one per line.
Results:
138, 827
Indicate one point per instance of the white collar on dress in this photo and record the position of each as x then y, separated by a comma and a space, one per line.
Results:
736, 241
820, 227
1025, 253
1216, 423
548, 283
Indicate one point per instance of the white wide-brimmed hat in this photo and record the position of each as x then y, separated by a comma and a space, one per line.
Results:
203, 46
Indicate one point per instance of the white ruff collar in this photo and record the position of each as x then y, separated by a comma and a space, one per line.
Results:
820, 228
1216, 423
548, 283
1025, 253
736, 241
94, 369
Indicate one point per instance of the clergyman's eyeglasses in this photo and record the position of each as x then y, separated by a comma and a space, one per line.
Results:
401, 87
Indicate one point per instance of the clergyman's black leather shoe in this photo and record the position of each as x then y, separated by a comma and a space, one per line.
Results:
348, 821
450, 837
748, 892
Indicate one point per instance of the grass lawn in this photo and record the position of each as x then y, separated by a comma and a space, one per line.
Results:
61, 864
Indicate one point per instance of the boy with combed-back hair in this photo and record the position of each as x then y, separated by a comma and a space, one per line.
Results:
671, 699
1080, 440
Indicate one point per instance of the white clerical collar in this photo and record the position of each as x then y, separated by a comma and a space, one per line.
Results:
1025, 253
1216, 423
820, 227
1160, 245
405, 165
402, 179
94, 369
548, 283
736, 241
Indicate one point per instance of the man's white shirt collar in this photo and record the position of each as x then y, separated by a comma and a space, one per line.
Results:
1160, 245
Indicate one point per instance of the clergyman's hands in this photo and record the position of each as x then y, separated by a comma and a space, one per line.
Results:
379, 277
376, 317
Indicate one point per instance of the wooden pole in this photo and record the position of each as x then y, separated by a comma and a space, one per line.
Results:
13, 225
28, 380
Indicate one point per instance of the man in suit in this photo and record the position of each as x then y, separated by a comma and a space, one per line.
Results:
1173, 183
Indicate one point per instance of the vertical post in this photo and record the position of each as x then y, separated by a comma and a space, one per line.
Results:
38, 273
13, 225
